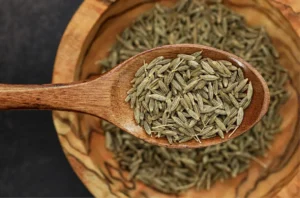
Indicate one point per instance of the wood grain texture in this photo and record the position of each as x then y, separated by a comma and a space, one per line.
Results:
291, 10
81, 135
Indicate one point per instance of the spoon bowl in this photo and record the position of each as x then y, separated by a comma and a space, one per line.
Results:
105, 96
127, 70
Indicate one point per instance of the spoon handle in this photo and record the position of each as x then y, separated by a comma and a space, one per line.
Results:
71, 97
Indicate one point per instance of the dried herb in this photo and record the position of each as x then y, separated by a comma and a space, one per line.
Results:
178, 117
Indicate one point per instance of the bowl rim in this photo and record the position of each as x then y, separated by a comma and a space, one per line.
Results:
79, 35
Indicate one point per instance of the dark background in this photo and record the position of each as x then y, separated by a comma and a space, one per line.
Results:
31, 159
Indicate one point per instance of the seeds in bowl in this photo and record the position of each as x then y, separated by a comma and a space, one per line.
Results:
189, 97
175, 171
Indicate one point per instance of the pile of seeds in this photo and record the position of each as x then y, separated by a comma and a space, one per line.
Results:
189, 97
171, 170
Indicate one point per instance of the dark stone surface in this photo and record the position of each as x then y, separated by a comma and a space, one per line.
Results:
31, 159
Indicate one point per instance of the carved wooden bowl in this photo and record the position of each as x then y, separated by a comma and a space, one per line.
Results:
88, 38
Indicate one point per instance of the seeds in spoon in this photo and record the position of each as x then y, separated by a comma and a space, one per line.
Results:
182, 116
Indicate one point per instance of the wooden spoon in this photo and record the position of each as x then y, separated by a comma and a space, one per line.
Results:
105, 96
